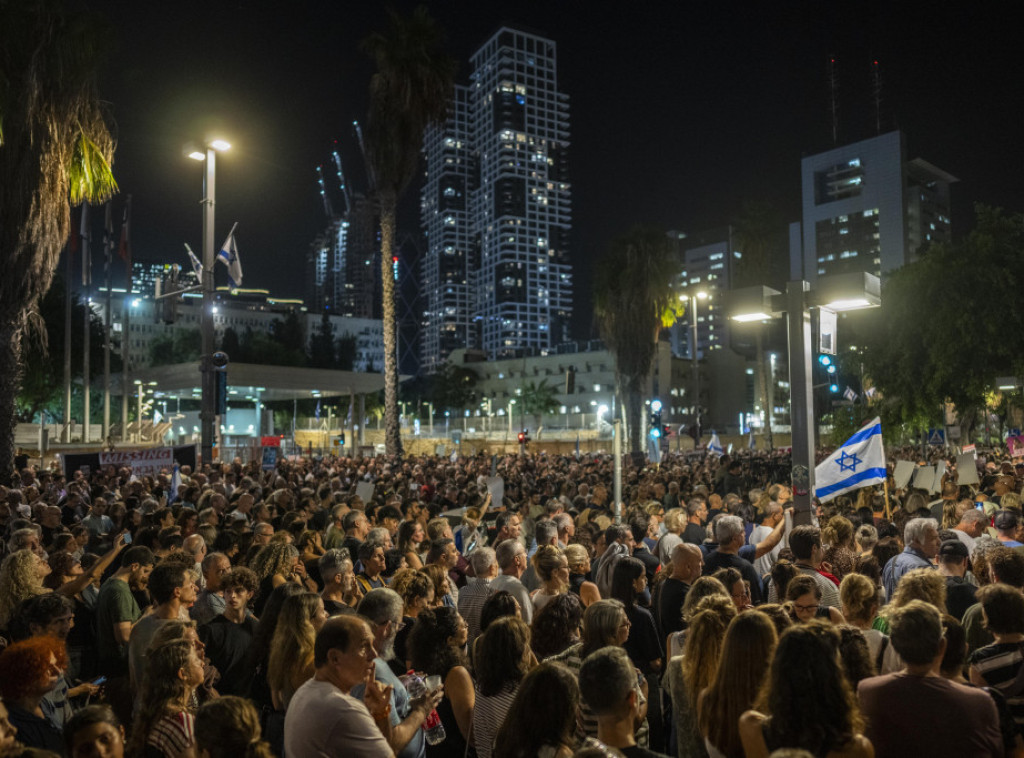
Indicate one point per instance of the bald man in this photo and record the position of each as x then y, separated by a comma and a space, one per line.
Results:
687, 562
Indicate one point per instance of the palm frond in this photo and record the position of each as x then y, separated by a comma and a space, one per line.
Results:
90, 178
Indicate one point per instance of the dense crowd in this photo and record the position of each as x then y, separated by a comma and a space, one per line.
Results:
232, 611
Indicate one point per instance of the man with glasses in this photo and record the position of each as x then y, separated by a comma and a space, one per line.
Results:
383, 608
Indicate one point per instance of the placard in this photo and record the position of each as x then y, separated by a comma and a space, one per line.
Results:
924, 477
496, 486
901, 476
365, 491
270, 457
967, 471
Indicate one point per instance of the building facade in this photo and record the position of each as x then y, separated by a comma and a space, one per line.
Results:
867, 207
496, 207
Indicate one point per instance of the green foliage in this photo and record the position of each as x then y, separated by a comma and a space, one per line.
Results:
453, 387
539, 399
179, 346
948, 325
632, 301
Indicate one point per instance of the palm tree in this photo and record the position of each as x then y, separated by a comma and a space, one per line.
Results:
633, 301
538, 400
410, 90
55, 149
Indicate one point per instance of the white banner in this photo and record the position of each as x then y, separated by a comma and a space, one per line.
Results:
146, 461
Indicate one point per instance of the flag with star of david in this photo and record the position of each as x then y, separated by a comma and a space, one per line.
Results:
858, 462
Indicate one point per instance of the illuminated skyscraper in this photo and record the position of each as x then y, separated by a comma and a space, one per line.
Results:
496, 207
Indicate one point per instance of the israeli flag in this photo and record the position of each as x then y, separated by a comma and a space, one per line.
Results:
316, 413
175, 484
858, 462
750, 443
228, 255
715, 445
850, 395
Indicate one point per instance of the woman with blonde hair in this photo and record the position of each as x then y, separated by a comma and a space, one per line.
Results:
552, 569
689, 675
579, 567
919, 584
746, 653
291, 652
275, 564
21, 577
859, 598
705, 586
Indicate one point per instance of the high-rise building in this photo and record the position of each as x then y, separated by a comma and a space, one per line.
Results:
342, 264
867, 207
496, 207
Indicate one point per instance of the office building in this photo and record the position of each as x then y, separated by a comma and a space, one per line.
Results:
868, 207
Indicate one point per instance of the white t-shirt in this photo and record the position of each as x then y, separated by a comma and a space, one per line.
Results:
324, 722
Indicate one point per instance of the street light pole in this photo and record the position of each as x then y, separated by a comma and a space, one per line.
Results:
207, 411
801, 399
695, 361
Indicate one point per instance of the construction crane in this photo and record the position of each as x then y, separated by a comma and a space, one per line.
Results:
323, 193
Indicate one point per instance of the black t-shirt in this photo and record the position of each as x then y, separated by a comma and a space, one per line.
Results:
650, 561
227, 645
960, 595
334, 608
643, 644
717, 560
695, 534
670, 606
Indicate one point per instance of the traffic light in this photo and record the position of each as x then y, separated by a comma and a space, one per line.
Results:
666, 430
827, 363
833, 388
655, 420
524, 437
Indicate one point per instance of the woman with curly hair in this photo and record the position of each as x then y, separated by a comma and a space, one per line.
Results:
291, 651
542, 718
918, 584
436, 647
28, 671
274, 565
417, 593
442, 590
164, 725
556, 626
746, 652
410, 537
505, 659
689, 675
21, 577
229, 727
841, 551
552, 569
806, 701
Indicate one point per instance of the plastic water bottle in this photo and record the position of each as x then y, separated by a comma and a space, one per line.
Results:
433, 728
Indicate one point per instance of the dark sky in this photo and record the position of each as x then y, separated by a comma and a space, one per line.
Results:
680, 111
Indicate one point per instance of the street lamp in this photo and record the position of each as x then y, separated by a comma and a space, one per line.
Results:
840, 292
694, 297
207, 411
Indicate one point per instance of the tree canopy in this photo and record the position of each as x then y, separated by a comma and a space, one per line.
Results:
949, 323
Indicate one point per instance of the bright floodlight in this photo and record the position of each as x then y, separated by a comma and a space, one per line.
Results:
743, 317
197, 155
219, 144
702, 295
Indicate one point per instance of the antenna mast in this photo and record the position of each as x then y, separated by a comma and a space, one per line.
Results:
833, 84
876, 91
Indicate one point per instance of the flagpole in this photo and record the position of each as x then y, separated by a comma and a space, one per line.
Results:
888, 508
126, 305
86, 287
109, 245
65, 435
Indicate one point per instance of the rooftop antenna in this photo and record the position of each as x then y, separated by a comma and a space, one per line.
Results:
323, 193
876, 92
833, 84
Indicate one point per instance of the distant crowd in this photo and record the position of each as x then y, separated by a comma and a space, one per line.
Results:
231, 611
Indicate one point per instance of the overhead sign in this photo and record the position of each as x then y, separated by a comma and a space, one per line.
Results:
826, 331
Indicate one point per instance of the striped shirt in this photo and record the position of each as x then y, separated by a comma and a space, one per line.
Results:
173, 735
1001, 665
488, 716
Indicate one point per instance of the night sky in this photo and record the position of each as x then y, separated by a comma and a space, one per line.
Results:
680, 112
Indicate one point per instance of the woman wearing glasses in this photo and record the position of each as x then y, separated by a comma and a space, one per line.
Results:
803, 597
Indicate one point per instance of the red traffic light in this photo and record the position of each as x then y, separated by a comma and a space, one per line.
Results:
522, 437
